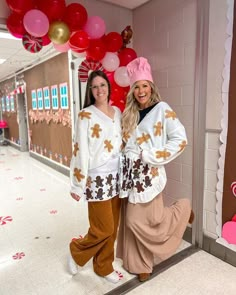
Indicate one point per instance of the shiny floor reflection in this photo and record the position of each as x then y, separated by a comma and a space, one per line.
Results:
38, 218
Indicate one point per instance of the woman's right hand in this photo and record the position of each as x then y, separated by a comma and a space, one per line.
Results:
75, 197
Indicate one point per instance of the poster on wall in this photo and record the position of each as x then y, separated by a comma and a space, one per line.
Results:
34, 100
54, 94
64, 101
46, 95
40, 98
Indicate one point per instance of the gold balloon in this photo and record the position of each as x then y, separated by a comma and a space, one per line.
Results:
59, 32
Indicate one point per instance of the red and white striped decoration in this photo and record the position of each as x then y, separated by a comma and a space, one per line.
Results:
233, 188
31, 43
86, 66
18, 90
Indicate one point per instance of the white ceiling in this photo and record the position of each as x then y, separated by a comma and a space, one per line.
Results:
18, 58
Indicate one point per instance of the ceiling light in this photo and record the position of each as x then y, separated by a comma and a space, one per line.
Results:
2, 60
5, 35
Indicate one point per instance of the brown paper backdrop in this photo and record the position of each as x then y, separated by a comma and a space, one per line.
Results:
51, 138
229, 200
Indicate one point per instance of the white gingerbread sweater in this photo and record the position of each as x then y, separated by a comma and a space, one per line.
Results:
158, 139
97, 140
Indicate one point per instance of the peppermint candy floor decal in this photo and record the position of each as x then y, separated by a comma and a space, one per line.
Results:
5, 219
18, 256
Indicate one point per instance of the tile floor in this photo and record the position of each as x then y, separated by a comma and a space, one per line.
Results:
37, 220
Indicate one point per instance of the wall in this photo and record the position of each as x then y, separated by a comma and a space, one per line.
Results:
167, 38
217, 38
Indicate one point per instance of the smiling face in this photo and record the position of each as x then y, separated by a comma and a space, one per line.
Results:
142, 93
99, 88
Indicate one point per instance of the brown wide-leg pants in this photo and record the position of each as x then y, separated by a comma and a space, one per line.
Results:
99, 241
150, 231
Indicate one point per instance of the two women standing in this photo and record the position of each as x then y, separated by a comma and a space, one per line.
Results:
152, 136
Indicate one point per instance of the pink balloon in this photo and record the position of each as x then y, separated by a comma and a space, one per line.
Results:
62, 47
36, 22
110, 61
121, 77
95, 27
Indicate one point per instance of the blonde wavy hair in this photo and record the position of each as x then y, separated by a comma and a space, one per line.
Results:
130, 116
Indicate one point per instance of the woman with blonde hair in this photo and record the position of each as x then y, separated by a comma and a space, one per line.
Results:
152, 137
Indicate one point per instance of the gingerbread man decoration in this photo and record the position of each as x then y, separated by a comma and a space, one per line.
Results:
96, 129
84, 114
89, 181
76, 149
182, 145
100, 194
147, 181
137, 164
109, 179
145, 169
143, 138
154, 171
170, 114
88, 194
162, 154
110, 191
108, 145
139, 187
125, 136
77, 173
99, 181
157, 129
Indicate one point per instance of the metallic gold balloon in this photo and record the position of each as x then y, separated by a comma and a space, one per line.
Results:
59, 32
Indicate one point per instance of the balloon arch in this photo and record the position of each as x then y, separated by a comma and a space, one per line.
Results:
69, 27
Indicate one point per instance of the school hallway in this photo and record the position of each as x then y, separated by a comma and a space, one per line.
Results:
38, 218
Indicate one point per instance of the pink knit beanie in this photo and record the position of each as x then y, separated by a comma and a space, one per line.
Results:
139, 69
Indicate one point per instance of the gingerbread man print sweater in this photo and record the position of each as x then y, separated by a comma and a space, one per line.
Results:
157, 140
97, 139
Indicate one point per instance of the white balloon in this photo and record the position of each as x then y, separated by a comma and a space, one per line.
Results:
121, 77
110, 61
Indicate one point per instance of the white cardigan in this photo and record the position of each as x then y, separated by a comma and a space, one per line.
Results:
97, 139
158, 139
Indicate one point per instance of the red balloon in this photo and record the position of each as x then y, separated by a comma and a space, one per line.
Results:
126, 55
113, 41
75, 16
15, 25
120, 104
110, 76
21, 6
79, 41
54, 9
96, 50
117, 92
46, 40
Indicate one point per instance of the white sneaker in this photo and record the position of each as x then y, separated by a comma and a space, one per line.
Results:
72, 265
114, 277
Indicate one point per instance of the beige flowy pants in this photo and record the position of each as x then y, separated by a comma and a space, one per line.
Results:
150, 231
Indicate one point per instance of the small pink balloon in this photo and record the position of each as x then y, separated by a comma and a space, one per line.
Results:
110, 61
95, 27
62, 47
36, 23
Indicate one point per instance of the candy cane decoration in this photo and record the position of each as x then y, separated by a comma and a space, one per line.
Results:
86, 66
233, 188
